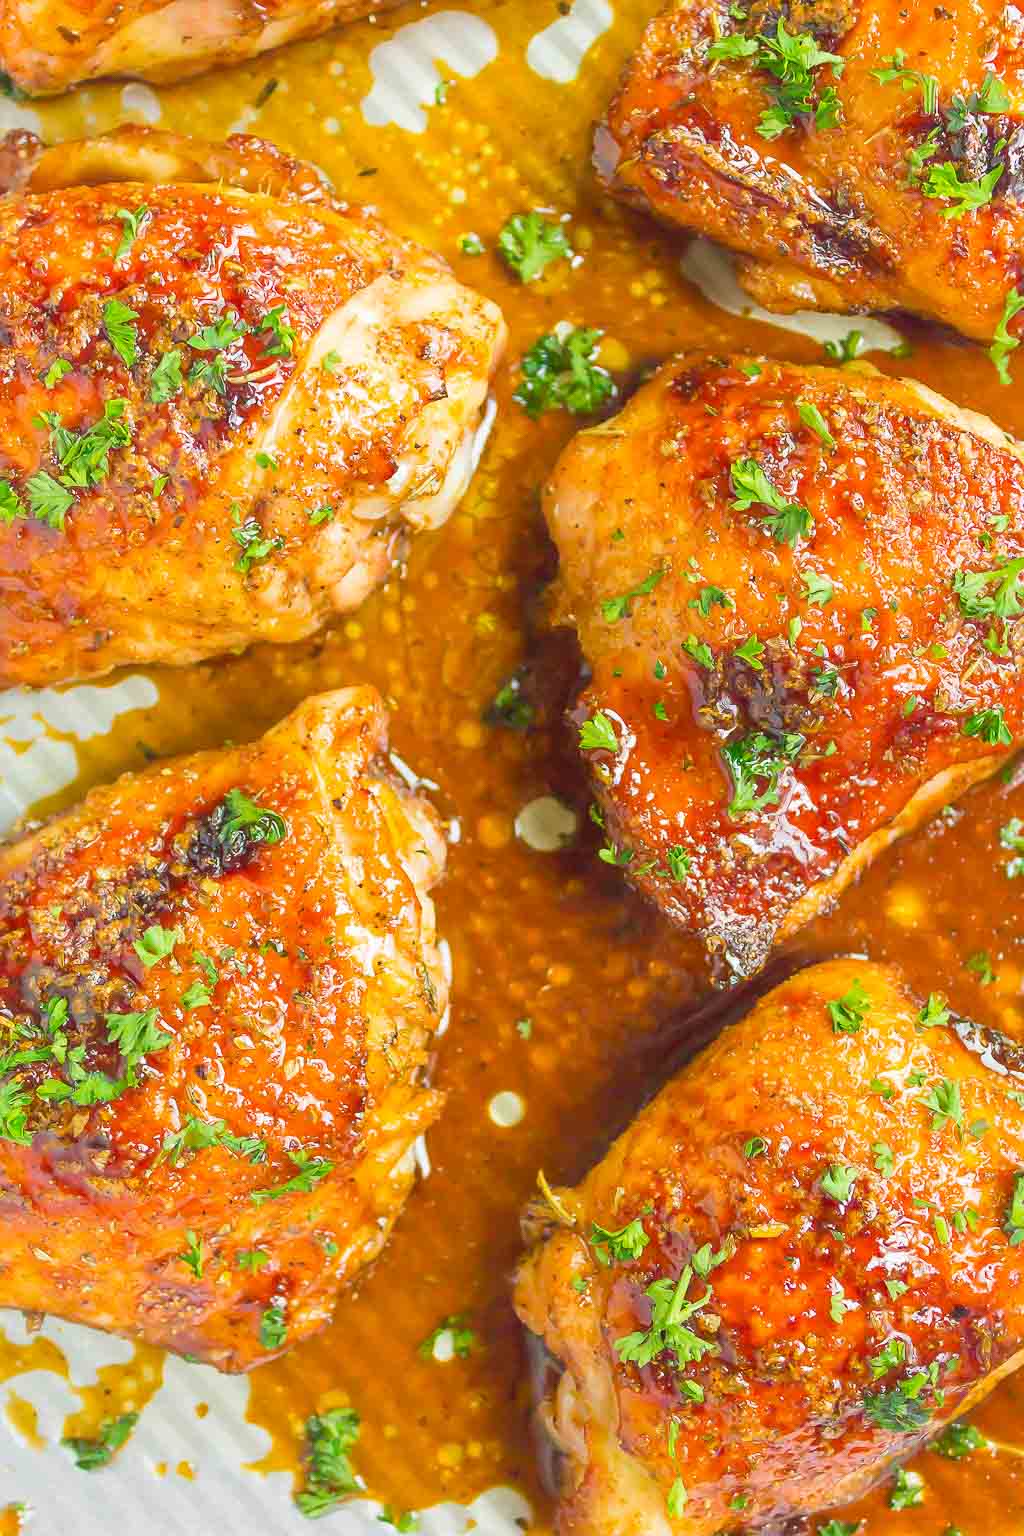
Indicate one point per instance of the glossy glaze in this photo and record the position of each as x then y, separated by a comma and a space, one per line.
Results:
829, 215
294, 998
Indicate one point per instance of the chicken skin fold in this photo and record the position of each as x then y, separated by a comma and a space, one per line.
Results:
798, 592
49, 45
225, 400
797, 1263
858, 155
219, 980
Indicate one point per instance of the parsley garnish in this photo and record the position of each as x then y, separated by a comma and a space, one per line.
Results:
166, 381
254, 546
559, 373
708, 598
598, 734
276, 322
907, 1491
699, 650
57, 370
670, 1311
614, 609
896, 1410
1011, 837
14, 1106
934, 1013
908, 79
252, 1259
253, 823
192, 1256
196, 1135
330, 1476
846, 349
48, 500
849, 1011
884, 1160
132, 225
1002, 342
788, 521
622, 1246
812, 417
837, 1182
958, 1440
119, 324
462, 1338
755, 758
529, 243
11, 504
944, 1102
91, 1454
1013, 1222
751, 652
310, 1172
273, 1327
792, 59
989, 726
943, 181
156, 944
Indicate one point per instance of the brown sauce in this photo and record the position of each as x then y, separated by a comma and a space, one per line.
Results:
554, 938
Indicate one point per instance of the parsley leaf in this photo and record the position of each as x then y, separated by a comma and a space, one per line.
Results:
455, 1335
529, 243
788, 521
247, 820
791, 58
273, 1327
276, 322
614, 609
11, 504
91, 1454
132, 225
943, 181
1013, 1222
196, 1135
837, 1182
254, 546
754, 758
812, 417
849, 1011
670, 1312
559, 373
156, 944
958, 1440
598, 734
989, 726
1002, 342
48, 500
166, 381
908, 79
310, 1172
621, 1246
330, 1476
119, 324
907, 1491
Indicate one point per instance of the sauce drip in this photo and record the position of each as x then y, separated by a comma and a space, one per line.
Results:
610, 994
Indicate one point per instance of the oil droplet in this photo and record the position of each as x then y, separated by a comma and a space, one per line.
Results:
506, 1109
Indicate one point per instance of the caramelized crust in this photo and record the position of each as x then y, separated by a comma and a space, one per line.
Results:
49, 45
834, 216
880, 702
295, 1006
863, 1286
263, 483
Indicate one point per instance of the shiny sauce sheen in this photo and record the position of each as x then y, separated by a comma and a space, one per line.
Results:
613, 997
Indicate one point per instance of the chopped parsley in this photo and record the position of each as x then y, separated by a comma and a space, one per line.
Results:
119, 325
792, 59
944, 1102
708, 598
529, 243
934, 1013
817, 589
849, 1011
787, 521
48, 500
276, 323
192, 1256
670, 1312
330, 1477
989, 726
598, 734
58, 369
1002, 342
621, 1246
837, 1182
614, 609
754, 1146
943, 182
248, 821
1011, 837
896, 1409
884, 1160
156, 944
196, 1135
166, 381
958, 1440
310, 1172
812, 417
846, 349
92, 1454
133, 222
253, 545
560, 373
11, 504
14, 1107
758, 759
273, 1327
454, 1334
252, 1259
751, 652
909, 79
1013, 1221
699, 651
907, 1490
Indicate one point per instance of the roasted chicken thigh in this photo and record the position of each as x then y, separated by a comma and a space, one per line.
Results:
798, 1262
224, 399
218, 983
798, 592
860, 154
49, 45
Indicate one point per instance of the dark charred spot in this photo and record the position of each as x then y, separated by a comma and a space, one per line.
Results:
779, 698
214, 852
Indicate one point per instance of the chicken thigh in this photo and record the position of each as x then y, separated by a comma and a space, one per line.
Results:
800, 1260
49, 45
219, 980
224, 399
798, 591
860, 154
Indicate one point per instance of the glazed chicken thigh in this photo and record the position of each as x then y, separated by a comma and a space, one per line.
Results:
218, 983
49, 45
798, 593
799, 1261
860, 154
224, 400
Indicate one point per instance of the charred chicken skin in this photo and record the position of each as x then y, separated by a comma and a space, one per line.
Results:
49, 45
224, 400
859, 155
218, 984
799, 1261
798, 592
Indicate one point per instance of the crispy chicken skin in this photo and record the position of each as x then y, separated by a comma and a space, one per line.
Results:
282, 983
836, 216
49, 45
774, 713
224, 399
862, 1285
